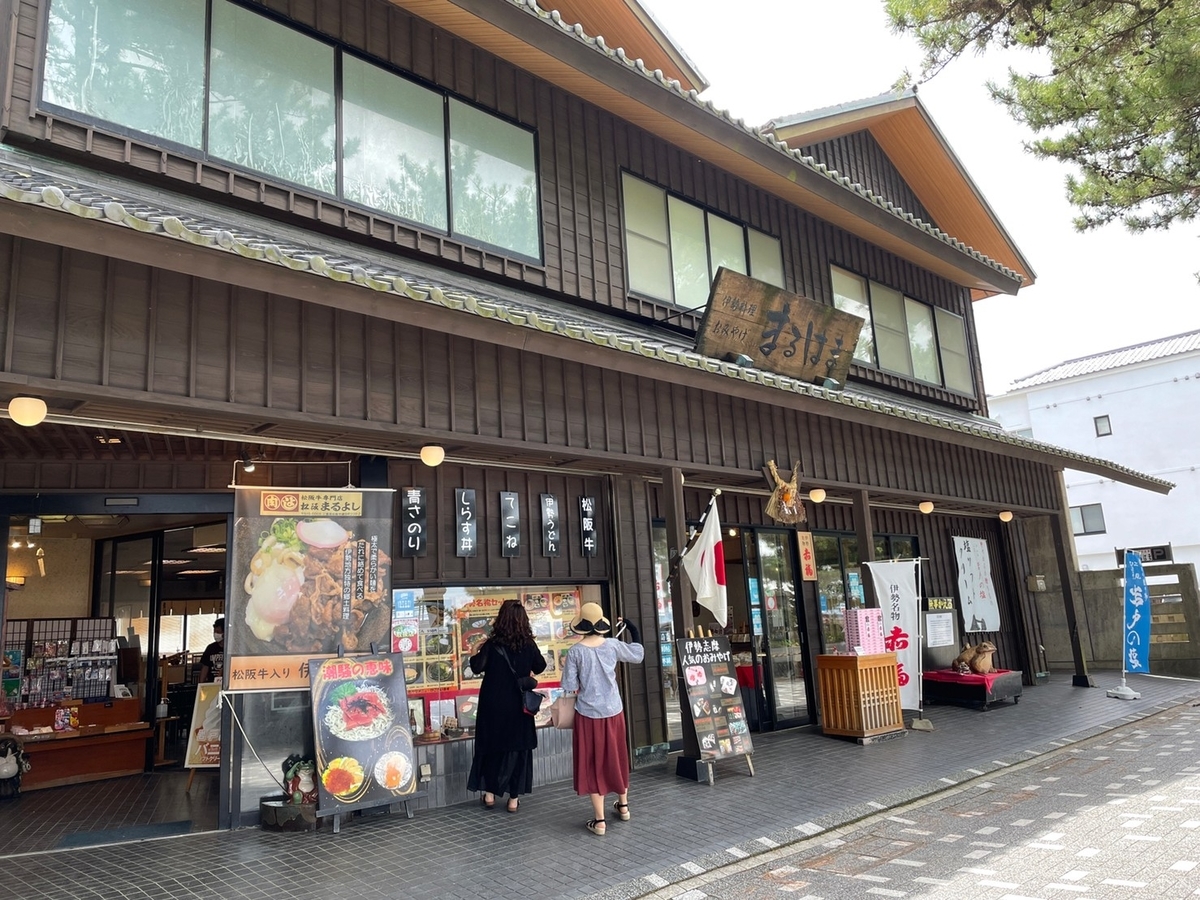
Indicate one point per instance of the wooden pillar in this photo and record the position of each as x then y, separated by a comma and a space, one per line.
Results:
866, 541
681, 597
1066, 576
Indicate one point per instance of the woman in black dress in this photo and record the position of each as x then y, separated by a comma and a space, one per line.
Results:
505, 736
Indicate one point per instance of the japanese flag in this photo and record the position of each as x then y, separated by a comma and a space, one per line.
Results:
704, 563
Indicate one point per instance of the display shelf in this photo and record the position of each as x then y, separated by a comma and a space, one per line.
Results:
50, 660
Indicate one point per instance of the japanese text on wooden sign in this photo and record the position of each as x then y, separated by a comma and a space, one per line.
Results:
778, 330
714, 697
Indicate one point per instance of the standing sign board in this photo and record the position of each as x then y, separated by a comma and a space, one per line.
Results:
360, 725
309, 572
779, 331
204, 737
714, 700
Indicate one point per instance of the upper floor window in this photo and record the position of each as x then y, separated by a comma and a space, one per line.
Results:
274, 106
1087, 519
1103, 426
674, 248
903, 335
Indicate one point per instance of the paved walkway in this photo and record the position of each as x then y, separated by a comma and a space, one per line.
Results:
806, 784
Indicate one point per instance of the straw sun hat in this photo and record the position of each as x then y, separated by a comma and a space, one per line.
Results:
591, 620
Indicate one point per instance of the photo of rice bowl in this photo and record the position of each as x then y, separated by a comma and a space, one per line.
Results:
393, 771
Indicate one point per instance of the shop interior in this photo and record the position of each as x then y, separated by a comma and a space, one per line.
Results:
113, 611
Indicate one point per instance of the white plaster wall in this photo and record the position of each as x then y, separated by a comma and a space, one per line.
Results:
1154, 409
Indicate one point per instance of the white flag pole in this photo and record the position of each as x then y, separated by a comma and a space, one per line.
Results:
920, 723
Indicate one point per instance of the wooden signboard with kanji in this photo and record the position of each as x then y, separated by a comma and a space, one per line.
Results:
779, 331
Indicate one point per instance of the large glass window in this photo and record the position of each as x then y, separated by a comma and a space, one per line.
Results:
270, 100
139, 63
1087, 519
394, 147
273, 107
674, 248
494, 195
903, 335
839, 577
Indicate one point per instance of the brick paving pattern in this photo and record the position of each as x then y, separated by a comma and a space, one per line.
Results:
806, 784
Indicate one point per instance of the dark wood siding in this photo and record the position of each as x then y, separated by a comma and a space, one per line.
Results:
582, 152
159, 337
859, 157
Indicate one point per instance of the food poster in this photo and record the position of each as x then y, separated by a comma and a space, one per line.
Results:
363, 738
714, 699
310, 572
204, 737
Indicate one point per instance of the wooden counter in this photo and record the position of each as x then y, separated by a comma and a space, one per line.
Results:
110, 742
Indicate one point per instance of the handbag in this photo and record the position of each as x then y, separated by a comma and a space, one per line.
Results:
531, 701
562, 712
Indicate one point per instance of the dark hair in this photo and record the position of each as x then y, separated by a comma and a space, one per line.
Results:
511, 628
219, 625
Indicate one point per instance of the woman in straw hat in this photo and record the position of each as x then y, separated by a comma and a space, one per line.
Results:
601, 760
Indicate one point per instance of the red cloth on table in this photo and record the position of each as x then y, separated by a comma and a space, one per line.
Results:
949, 675
745, 675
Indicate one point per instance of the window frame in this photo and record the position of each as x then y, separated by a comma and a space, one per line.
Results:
1079, 519
936, 313
202, 153
708, 214
1107, 426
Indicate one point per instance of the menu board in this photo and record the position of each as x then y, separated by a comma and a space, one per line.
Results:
204, 736
714, 699
363, 739
310, 574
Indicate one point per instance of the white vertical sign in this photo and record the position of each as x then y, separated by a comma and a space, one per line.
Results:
895, 587
980, 610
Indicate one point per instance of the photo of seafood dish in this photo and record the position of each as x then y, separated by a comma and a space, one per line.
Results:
358, 712
288, 575
343, 776
393, 771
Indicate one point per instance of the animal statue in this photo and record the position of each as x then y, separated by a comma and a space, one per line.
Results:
977, 659
300, 780
13, 764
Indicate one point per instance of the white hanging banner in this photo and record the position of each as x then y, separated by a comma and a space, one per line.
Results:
895, 587
980, 610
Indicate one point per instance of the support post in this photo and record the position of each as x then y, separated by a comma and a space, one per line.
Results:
865, 533
681, 614
1066, 576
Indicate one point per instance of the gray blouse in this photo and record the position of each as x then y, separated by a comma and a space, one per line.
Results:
592, 671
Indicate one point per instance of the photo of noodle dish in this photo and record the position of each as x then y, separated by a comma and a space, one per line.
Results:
358, 712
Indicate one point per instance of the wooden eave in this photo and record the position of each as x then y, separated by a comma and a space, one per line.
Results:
928, 165
562, 58
498, 321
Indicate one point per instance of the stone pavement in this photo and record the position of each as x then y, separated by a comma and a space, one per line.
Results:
806, 785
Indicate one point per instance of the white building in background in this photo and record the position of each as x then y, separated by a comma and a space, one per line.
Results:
1137, 406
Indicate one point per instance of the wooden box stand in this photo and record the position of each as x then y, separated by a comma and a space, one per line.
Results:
860, 696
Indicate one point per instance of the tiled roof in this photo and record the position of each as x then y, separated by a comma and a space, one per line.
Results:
597, 43
30, 180
826, 112
1111, 359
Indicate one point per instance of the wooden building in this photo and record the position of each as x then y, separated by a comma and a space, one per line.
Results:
326, 235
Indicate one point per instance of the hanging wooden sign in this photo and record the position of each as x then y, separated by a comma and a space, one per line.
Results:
551, 526
413, 539
466, 527
777, 330
510, 524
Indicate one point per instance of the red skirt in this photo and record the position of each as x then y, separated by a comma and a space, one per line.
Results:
601, 757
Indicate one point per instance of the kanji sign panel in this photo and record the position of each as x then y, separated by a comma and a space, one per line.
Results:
466, 526
779, 331
414, 528
510, 524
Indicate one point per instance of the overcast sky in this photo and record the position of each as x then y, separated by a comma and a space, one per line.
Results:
1095, 291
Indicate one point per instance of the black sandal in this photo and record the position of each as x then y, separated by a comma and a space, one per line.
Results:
622, 811
513, 805
483, 802
596, 826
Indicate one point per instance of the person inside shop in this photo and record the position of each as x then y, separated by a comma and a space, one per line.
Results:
212, 660
598, 742
505, 736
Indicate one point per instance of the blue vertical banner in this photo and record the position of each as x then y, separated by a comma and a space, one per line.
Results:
1137, 616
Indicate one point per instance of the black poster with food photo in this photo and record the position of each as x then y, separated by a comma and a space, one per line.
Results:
714, 700
309, 573
363, 739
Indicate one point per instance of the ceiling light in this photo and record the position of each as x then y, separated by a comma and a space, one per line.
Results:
204, 550
16, 545
198, 572
247, 463
433, 454
27, 411
1006, 515
817, 495
925, 506
733, 532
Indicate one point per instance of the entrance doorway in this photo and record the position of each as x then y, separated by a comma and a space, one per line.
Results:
779, 642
